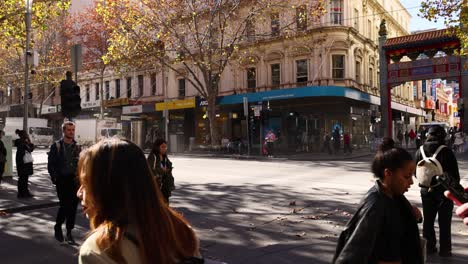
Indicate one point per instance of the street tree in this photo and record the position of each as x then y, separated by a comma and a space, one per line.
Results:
198, 39
13, 37
454, 13
89, 30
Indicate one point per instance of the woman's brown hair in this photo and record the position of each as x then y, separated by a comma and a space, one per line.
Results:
121, 191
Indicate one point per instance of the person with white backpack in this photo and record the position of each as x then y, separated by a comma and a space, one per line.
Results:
434, 158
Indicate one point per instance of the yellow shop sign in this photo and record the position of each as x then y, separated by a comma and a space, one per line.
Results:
177, 104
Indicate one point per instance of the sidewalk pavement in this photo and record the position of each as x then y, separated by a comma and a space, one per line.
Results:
39, 185
298, 156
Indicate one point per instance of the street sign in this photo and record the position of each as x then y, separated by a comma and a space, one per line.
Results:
246, 106
76, 58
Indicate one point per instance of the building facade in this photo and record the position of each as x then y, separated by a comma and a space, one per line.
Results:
302, 89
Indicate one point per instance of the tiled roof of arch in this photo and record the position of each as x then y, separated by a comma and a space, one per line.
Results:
421, 39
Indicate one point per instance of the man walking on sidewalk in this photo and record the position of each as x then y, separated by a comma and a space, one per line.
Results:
62, 166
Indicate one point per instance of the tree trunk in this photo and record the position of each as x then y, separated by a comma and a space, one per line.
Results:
211, 108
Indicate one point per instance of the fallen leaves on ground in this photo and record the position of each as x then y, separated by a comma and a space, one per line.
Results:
301, 234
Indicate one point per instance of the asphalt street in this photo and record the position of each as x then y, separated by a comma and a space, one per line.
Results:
243, 211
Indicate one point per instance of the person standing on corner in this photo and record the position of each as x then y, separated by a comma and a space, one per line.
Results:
24, 162
62, 166
433, 199
162, 168
3, 156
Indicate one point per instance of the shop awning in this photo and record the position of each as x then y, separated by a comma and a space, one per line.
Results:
313, 91
308, 91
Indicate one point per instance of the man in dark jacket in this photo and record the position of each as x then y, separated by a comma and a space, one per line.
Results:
62, 166
433, 199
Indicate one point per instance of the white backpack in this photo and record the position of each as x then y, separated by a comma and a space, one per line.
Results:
427, 168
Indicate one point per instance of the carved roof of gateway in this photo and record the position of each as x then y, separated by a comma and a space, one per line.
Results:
428, 38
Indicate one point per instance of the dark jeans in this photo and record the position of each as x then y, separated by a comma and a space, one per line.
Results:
270, 147
435, 203
2, 170
326, 147
68, 201
347, 148
23, 184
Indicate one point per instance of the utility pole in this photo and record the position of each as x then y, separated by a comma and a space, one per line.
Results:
27, 54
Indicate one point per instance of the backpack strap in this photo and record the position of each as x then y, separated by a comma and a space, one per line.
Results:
421, 149
435, 160
438, 151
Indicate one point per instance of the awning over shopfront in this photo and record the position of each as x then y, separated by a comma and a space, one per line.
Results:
308, 91
138, 109
313, 91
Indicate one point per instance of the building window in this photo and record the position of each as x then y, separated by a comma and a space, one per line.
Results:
153, 84
181, 88
358, 71
129, 87
336, 12
275, 75
251, 78
250, 29
338, 66
356, 19
371, 77
87, 93
301, 71
107, 92
140, 85
275, 24
301, 17
117, 88
96, 88
369, 26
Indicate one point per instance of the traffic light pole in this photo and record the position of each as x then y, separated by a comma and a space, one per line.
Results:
26, 66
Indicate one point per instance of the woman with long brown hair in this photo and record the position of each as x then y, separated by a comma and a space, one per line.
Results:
129, 219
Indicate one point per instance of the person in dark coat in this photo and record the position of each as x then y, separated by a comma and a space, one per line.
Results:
3, 156
433, 199
24, 163
62, 166
384, 229
162, 168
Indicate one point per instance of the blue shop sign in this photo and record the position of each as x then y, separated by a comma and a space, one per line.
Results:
308, 91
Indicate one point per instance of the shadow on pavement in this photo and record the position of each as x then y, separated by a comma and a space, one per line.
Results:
262, 223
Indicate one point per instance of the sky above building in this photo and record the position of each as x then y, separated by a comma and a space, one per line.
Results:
417, 22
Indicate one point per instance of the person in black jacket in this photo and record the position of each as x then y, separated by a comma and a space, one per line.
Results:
384, 228
433, 199
62, 167
3, 156
24, 163
162, 168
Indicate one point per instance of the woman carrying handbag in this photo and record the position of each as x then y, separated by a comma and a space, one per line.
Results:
162, 168
24, 163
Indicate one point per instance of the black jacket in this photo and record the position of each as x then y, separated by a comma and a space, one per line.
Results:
22, 146
56, 164
370, 227
446, 158
3, 151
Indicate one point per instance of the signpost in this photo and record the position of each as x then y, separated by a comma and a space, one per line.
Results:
246, 114
77, 60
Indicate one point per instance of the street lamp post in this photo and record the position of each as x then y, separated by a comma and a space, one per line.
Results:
27, 54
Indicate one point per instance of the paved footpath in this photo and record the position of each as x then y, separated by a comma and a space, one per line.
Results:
243, 211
